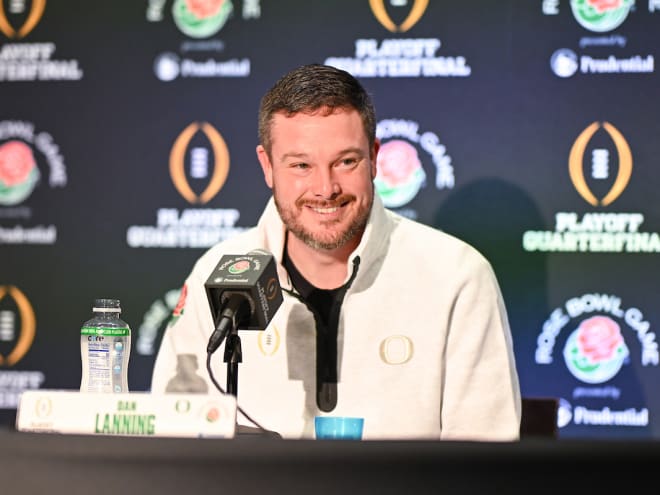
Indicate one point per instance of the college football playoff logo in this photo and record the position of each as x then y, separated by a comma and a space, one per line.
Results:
576, 157
25, 337
220, 166
36, 11
415, 14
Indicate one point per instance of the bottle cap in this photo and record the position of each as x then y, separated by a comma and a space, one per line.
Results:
106, 306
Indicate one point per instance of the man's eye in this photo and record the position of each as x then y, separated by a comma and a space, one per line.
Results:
301, 166
349, 161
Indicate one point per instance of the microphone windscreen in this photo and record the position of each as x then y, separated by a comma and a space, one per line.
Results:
253, 275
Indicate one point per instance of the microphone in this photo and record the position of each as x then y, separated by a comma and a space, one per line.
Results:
243, 292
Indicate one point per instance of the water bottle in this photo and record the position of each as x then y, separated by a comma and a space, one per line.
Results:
105, 346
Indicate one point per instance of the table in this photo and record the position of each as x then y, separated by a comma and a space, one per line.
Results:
35, 463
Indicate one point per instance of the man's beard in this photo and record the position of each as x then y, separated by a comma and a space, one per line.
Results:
323, 240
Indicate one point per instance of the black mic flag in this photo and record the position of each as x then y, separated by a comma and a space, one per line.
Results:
243, 291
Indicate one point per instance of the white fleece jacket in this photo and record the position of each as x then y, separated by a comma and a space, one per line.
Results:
424, 345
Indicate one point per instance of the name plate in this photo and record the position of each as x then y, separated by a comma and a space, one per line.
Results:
128, 414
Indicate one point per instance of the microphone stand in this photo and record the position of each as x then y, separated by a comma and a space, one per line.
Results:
235, 313
233, 356
228, 326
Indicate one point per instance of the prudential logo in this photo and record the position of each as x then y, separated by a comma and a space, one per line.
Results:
601, 15
564, 62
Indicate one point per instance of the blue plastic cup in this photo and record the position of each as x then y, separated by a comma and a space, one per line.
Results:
338, 427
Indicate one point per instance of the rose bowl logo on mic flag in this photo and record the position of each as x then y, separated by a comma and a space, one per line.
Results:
239, 267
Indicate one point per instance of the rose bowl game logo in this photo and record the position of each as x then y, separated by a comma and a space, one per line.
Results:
239, 267
400, 174
18, 172
180, 306
595, 351
601, 15
201, 18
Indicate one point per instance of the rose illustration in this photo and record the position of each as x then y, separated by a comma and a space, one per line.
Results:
16, 162
603, 5
18, 172
204, 8
595, 351
239, 267
601, 15
400, 174
598, 338
201, 18
212, 415
178, 310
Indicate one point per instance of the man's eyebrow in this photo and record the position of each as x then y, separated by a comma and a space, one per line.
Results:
304, 156
352, 149
293, 154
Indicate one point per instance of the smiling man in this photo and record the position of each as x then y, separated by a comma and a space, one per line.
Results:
321, 167
383, 318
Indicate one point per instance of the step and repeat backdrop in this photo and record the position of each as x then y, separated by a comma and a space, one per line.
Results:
528, 128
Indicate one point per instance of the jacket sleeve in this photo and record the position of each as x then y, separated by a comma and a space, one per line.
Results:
481, 399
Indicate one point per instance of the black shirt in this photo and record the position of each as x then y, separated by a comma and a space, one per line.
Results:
325, 305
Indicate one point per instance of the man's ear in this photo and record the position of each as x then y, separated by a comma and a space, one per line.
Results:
374, 155
266, 165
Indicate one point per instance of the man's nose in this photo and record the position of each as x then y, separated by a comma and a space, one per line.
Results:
326, 184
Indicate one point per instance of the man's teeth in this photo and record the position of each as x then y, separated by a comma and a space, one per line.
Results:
325, 210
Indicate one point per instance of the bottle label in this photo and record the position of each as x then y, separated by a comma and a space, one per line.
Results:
110, 332
105, 352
